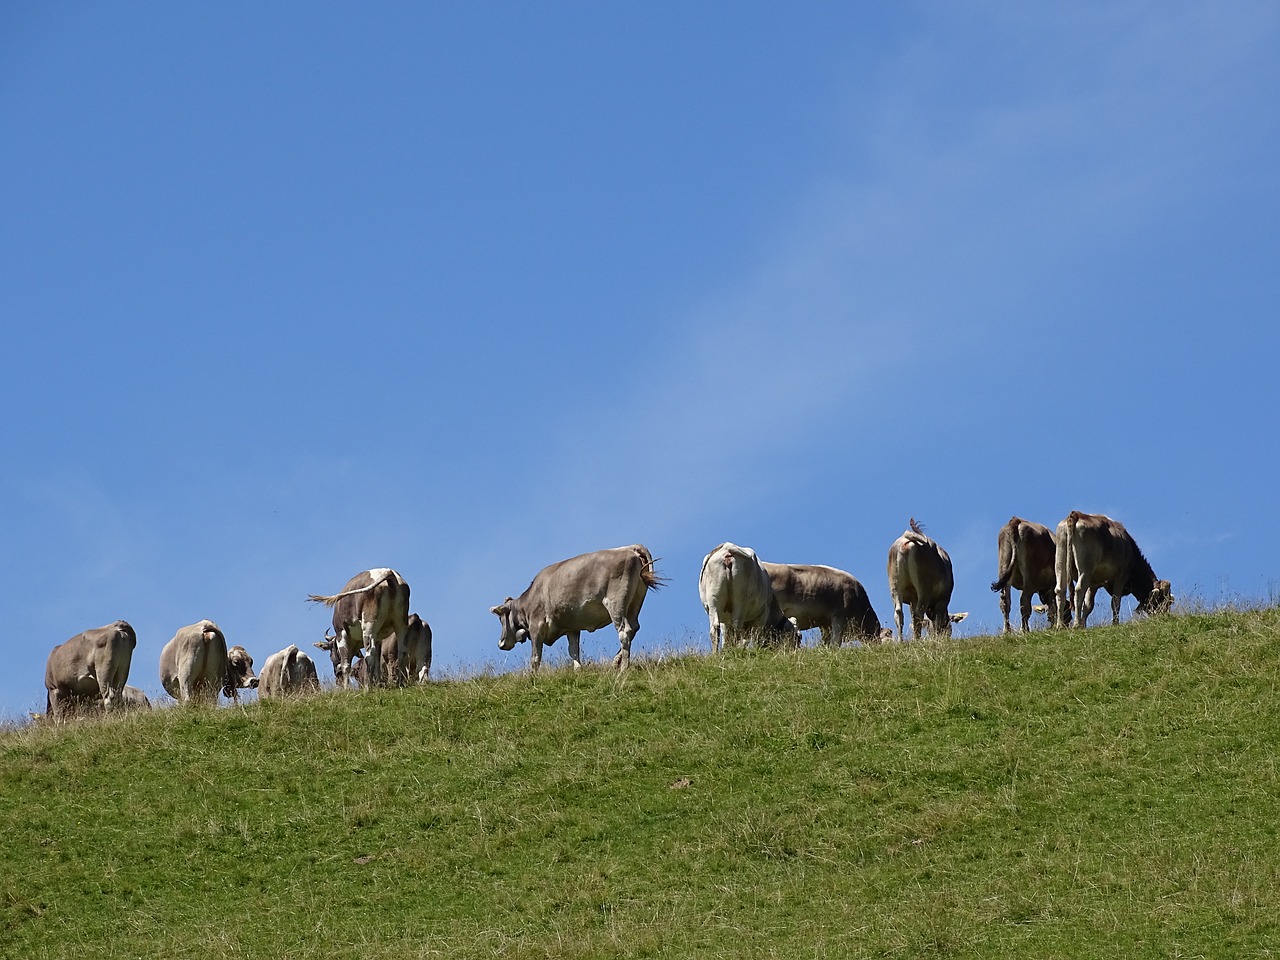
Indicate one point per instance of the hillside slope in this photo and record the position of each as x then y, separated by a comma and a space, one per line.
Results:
1105, 793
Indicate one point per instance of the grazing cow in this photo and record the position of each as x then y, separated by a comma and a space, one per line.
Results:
417, 656
89, 669
288, 672
1025, 558
737, 594
824, 597
372, 607
586, 592
1095, 551
920, 576
196, 664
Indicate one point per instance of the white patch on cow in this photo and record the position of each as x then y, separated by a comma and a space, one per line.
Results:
379, 574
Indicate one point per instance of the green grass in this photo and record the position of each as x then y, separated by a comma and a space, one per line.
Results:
1105, 793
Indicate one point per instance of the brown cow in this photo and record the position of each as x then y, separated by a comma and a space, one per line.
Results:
417, 657
89, 670
1095, 551
195, 664
824, 597
1025, 554
586, 592
372, 607
920, 575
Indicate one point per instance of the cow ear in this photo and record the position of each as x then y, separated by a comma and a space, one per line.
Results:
957, 617
324, 644
500, 611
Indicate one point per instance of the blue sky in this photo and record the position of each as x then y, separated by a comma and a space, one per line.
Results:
294, 290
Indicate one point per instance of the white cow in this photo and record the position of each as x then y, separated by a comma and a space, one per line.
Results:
738, 596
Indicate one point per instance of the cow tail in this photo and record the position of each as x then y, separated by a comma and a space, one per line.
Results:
1005, 571
649, 574
333, 600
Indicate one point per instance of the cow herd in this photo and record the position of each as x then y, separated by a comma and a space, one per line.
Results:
376, 640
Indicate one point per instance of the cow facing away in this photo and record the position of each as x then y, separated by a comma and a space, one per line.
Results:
1095, 551
824, 597
415, 666
920, 576
288, 672
372, 608
88, 670
586, 592
196, 664
737, 594
1025, 556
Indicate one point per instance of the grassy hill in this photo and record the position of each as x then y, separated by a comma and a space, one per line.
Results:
1106, 793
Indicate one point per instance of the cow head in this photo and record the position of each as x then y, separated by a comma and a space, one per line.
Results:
513, 631
1159, 600
341, 656
239, 675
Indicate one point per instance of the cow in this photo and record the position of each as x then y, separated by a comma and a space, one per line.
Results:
288, 672
417, 656
196, 664
824, 597
89, 669
372, 607
585, 592
920, 576
1025, 556
1095, 551
737, 594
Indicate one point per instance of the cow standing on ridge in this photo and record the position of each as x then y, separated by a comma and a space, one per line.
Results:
196, 664
89, 670
1025, 553
832, 600
1095, 551
738, 596
920, 576
288, 672
371, 608
413, 668
586, 592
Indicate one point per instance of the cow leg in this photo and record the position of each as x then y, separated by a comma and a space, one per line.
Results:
1062, 604
917, 621
575, 648
1084, 603
1024, 603
535, 654
897, 616
1116, 599
626, 630
1006, 604
372, 653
